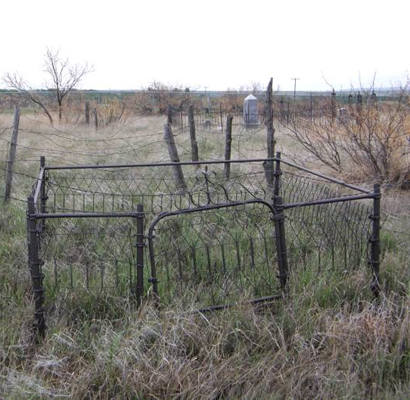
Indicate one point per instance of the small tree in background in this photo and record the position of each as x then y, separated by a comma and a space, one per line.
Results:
64, 76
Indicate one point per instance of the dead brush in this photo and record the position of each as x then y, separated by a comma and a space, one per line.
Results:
114, 111
363, 141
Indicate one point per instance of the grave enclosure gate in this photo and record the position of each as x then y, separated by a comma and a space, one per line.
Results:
207, 241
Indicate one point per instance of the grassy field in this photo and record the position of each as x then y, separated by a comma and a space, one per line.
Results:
329, 339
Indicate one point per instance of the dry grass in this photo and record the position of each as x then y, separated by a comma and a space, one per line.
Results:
328, 340
302, 349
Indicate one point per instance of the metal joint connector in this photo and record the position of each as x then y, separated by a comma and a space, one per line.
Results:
278, 217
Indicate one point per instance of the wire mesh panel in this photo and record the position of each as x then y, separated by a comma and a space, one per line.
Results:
299, 187
215, 256
118, 189
89, 254
216, 235
332, 235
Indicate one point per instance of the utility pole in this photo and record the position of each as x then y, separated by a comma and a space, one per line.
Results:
294, 88
294, 95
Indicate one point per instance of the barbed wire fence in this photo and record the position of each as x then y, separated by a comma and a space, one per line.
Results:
215, 240
71, 147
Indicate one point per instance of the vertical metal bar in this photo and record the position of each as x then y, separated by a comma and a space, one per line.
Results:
194, 266
375, 242
238, 255
223, 258
153, 279
102, 277
279, 219
140, 253
208, 259
252, 253
34, 264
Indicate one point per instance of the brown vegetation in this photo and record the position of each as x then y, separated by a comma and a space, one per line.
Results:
365, 141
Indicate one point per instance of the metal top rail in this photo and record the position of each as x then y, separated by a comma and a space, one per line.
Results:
209, 162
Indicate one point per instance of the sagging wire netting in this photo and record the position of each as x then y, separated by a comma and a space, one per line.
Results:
216, 256
206, 257
155, 187
119, 189
334, 235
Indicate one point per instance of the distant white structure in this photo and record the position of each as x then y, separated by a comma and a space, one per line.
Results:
250, 111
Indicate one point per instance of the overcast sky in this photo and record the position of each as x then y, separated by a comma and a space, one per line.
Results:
213, 44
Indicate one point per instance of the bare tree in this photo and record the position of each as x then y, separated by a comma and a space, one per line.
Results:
64, 77
17, 83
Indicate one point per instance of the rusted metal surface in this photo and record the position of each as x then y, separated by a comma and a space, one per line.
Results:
218, 241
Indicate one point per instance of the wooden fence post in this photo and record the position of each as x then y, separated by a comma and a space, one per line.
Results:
270, 135
181, 119
95, 118
173, 154
12, 154
87, 112
192, 134
333, 109
221, 116
277, 175
169, 115
228, 145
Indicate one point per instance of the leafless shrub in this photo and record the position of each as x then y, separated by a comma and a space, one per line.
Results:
111, 112
368, 140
